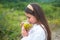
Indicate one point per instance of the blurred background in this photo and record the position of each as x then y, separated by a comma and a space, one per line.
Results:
12, 14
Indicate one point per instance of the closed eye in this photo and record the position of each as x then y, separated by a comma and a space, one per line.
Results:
28, 17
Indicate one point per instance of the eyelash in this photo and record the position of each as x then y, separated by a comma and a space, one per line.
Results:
28, 17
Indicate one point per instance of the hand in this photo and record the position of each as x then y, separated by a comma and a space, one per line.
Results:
21, 24
24, 32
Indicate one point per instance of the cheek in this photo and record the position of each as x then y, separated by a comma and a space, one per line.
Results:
33, 20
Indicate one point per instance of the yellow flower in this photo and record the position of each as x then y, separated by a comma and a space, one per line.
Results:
27, 26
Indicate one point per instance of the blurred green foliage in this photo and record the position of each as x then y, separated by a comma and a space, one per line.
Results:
12, 14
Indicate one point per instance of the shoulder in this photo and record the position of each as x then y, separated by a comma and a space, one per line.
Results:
37, 28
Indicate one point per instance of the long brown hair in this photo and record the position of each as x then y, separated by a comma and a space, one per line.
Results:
39, 14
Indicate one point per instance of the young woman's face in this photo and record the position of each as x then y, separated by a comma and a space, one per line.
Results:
31, 19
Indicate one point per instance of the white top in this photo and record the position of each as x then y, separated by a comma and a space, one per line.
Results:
36, 33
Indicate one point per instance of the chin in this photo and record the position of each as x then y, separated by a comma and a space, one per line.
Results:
31, 22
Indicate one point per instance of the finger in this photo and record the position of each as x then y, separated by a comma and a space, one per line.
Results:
21, 24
